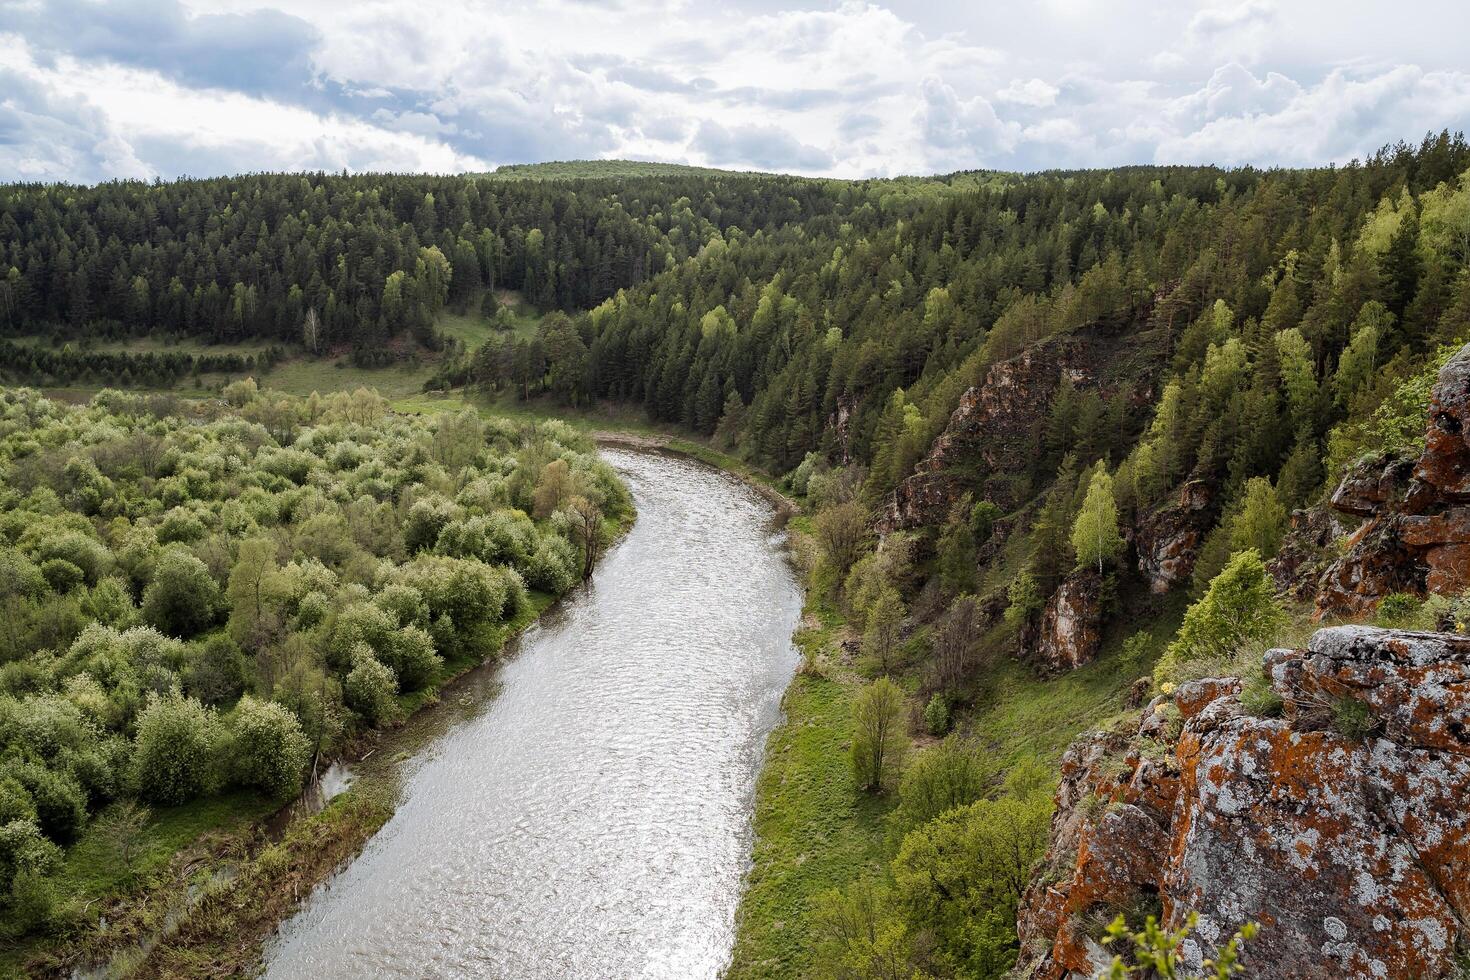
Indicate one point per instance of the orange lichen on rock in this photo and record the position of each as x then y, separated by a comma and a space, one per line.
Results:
1352, 853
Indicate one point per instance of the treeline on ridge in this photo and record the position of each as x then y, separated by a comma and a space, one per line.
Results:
372, 256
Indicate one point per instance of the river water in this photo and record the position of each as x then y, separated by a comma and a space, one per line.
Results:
584, 809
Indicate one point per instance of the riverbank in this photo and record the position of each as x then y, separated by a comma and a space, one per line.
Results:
209, 908
599, 798
813, 830
816, 831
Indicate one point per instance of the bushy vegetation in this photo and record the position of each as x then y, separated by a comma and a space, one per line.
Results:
212, 597
950, 909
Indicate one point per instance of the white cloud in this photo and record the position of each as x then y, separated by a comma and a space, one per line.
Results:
1214, 22
1340, 118
962, 132
122, 110
1034, 92
855, 89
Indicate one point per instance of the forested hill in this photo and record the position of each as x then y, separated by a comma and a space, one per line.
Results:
619, 169
794, 324
373, 256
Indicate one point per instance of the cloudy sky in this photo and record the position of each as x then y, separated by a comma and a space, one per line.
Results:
158, 88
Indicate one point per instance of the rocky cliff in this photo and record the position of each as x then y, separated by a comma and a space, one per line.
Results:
990, 441
1348, 843
1415, 512
1168, 540
991, 432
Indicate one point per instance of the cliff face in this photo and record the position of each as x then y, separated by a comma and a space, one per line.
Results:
1169, 539
1069, 634
991, 431
1351, 851
1415, 535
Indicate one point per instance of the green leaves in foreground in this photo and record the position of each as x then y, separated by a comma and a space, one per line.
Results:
1155, 951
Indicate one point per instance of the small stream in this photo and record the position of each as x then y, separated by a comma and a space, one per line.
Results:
583, 810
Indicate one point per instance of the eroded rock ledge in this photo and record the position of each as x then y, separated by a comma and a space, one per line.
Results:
1352, 851
1415, 535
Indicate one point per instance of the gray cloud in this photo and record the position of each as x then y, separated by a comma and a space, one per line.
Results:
44, 138
762, 147
262, 51
859, 124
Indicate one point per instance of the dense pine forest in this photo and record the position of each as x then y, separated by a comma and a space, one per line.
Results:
372, 257
1126, 392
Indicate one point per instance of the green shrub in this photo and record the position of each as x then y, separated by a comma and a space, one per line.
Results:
1154, 952
426, 518
1353, 719
180, 525
94, 771
182, 599
1136, 650
936, 715
110, 603
860, 934
951, 774
370, 687
552, 568
1398, 610
23, 849
61, 575
90, 555
217, 673
267, 749
1239, 607
962, 876
982, 520
15, 801
174, 753
60, 801
1259, 698
410, 654
360, 623
1025, 599
405, 604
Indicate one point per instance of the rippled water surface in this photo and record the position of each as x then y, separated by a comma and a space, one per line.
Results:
584, 810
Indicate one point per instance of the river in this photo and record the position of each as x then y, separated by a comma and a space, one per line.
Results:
583, 810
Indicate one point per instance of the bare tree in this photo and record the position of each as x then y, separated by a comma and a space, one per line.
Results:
954, 644
122, 828
311, 330
585, 518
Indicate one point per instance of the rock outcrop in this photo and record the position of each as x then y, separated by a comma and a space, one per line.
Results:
1350, 848
1415, 535
1071, 625
1168, 541
991, 432
1305, 553
840, 424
